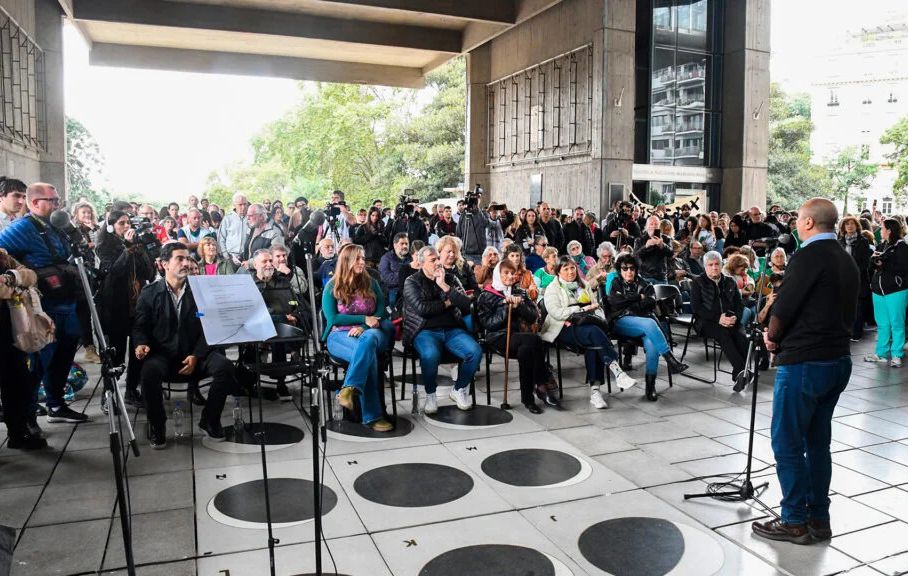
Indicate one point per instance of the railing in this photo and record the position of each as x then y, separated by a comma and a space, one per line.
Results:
22, 87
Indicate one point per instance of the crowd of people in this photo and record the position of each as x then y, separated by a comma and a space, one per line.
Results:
453, 278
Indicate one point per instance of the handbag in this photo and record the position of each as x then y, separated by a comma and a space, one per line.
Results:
32, 329
589, 319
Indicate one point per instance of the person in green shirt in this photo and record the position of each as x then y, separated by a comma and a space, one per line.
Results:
544, 276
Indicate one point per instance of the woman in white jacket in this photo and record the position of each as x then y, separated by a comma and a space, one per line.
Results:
567, 295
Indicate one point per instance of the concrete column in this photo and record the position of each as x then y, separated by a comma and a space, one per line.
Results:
613, 101
49, 35
479, 71
745, 104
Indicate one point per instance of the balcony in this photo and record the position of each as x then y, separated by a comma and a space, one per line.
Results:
689, 152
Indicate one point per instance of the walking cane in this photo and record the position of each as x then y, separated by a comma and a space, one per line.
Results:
507, 353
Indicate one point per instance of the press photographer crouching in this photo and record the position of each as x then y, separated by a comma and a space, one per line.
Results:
168, 336
16, 383
35, 243
434, 309
632, 316
493, 306
716, 302
574, 318
358, 331
124, 268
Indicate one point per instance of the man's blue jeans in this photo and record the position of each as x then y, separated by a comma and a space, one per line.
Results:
431, 344
804, 399
361, 353
52, 364
654, 342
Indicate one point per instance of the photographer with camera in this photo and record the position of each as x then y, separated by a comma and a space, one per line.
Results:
632, 316
124, 268
35, 243
472, 226
654, 250
407, 220
889, 284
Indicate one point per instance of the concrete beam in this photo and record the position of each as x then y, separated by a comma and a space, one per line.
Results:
498, 11
267, 22
152, 58
478, 33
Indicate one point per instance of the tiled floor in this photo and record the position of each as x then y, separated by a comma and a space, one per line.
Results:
631, 465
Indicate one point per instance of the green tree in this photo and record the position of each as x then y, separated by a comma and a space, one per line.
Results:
897, 136
792, 177
850, 172
84, 162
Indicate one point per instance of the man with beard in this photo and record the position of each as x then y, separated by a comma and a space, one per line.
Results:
277, 292
168, 337
390, 263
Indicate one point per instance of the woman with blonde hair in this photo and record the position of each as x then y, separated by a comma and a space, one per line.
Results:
357, 330
448, 248
210, 261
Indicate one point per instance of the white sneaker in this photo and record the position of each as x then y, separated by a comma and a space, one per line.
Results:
431, 406
460, 397
896, 363
874, 358
624, 381
596, 399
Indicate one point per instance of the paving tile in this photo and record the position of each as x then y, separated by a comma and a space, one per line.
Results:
65, 501
872, 465
642, 469
897, 415
654, 432
892, 501
762, 446
849, 515
711, 512
850, 483
854, 437
159, 492
741, 417
720, 465
78, 547
878, 426
156, 537
675, 451
874, 543
592, 440
32, 471
16, 504
705, 424
185, 568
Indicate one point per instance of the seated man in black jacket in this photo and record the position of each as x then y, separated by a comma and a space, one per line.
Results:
654, 250
434, 309
716, 302
167, 334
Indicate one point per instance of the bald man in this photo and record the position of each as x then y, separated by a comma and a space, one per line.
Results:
809, 329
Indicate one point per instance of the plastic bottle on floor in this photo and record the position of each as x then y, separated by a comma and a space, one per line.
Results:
239, 426
178, 430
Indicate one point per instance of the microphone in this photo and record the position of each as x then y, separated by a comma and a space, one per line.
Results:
59, 219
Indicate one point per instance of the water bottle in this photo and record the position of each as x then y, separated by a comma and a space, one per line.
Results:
239, 427
178, 431
337, 411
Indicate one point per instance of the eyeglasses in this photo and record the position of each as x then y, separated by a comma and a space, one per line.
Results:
634, 268
51, 200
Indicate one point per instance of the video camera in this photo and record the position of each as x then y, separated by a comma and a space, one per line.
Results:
471, 197
145, 238
406, 203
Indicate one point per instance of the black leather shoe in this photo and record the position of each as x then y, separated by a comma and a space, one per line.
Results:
541, 392
195, 396
820, 530
158, 439
212, 429
777, 530
533, 408
674, 366
26, 442
651, 388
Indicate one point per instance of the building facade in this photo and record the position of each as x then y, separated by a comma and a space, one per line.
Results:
861, 90
591, 100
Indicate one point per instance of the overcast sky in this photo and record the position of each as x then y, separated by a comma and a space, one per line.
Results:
162, 133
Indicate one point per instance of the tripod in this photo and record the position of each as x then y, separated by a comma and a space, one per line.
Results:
116, 408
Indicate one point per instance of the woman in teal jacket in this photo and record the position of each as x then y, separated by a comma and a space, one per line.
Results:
889, 285
357, 330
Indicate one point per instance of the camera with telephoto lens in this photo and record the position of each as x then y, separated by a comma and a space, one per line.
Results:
407, 203
145, 238
471, 197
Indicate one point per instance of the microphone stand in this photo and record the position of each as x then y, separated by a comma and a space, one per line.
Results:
113, 399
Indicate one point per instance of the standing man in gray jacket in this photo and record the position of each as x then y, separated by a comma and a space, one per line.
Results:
234, 230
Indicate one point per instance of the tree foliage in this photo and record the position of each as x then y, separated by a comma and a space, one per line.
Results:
792, 177
370, 142
850, 172
84, 164
897, 136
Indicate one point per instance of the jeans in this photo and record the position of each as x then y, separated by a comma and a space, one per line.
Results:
52, 364
889, 311
585, 336
804, 399
654, 343
431, 344
361, 354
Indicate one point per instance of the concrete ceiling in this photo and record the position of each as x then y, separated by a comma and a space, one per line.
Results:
388, 42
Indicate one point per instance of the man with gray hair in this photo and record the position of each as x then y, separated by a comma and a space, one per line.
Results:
233, 230
717, 306
262, 233
277, 292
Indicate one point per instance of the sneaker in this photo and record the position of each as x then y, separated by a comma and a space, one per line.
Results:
460, 397
66, 414
91, 355
596, 399
283, 392
213, 430
895, 363
431, 406
874, 358
381, 425
624, 381
26, 442
158, 437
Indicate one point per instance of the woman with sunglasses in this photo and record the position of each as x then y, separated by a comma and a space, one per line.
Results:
632, 305
565, 296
